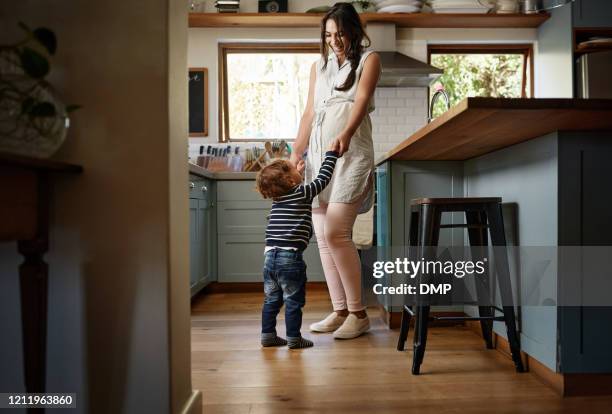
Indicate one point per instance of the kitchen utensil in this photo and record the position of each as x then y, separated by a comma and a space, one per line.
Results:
269, 148
528, 6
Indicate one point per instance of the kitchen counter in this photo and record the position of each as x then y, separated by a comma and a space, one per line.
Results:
549, 161
202, 172
478, 126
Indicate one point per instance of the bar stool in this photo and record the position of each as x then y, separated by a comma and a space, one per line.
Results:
481, 214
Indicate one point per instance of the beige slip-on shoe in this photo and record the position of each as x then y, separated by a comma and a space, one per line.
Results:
332, 322
352, 327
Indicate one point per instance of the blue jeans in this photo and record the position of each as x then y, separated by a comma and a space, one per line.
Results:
284, 282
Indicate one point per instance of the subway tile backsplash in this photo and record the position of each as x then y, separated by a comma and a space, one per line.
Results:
399, 112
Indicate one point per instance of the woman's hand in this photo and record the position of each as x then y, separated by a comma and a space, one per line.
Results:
343, 140
334, 146
295, 159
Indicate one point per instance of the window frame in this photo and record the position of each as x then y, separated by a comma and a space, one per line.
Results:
525, 49
226, 48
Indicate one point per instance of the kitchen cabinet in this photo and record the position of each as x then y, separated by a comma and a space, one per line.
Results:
559, 183
592, 13
241, 225
585, 219
202, 231
556, 184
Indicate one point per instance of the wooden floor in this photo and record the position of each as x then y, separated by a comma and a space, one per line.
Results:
365, 375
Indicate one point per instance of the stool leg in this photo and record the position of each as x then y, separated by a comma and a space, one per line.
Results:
413, 241
498, 239
429, 230
478, 239
413, 233
405, 326
420, 338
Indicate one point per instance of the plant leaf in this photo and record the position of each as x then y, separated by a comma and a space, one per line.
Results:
71, 108
46, 38
43, 109
34, 64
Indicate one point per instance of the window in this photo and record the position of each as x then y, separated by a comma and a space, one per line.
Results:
264, 88
482, 70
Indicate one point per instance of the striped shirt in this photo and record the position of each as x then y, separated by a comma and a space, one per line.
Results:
290, 220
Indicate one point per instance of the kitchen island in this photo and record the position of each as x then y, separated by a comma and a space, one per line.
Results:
549, 160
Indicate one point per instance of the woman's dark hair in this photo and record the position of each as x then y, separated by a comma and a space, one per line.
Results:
347, 21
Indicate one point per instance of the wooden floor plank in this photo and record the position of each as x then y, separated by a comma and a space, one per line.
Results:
365, 375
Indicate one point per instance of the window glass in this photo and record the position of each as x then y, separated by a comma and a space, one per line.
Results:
478, 74
267, 93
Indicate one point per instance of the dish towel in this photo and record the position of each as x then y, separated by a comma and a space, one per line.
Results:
363, 230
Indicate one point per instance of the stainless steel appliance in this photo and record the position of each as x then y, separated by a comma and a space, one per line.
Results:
398, 70
593, 75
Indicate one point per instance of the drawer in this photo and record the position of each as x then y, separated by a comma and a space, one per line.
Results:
243, 217
200, 188
237, 191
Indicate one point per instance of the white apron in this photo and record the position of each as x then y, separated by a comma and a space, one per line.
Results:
354, 172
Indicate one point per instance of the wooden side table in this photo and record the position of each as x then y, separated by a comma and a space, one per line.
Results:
24, 217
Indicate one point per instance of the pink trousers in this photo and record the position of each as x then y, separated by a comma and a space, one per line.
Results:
333, 226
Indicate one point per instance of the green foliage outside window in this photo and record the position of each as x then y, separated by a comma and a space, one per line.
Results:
471, 75
267, 93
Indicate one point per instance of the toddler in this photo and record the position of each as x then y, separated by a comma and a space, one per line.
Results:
287, 235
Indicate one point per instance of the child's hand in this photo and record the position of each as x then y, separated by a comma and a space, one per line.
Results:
334, 146
300, 166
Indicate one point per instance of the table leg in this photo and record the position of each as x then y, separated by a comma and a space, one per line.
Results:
33, 274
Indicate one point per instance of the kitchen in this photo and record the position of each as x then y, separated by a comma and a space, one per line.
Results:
425, 164
228, 370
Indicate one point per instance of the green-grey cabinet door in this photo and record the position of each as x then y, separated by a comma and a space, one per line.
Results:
194, 242
592, 13
202, 234
204, 230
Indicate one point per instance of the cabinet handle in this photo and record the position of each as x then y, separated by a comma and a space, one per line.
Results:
204, 189
191, 185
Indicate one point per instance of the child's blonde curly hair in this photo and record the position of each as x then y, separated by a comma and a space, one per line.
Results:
274, 180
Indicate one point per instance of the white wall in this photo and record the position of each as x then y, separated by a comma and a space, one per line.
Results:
554, 56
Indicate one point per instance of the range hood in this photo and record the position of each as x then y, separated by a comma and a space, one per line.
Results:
402, 70
398, 70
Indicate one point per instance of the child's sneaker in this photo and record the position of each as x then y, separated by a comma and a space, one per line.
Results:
332, 322
352, 327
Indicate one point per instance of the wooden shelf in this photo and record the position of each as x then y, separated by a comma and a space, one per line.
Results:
420, 20
38, 164
584, 33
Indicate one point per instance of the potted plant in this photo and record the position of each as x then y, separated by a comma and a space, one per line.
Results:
33, 120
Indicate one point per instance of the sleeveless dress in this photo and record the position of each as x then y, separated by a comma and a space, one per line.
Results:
354, 172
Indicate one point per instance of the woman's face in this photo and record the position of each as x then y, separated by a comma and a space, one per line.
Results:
336, 40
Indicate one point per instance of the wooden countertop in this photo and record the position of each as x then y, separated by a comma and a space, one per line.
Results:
476, 126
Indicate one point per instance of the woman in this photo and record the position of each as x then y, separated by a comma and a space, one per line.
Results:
340, 98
